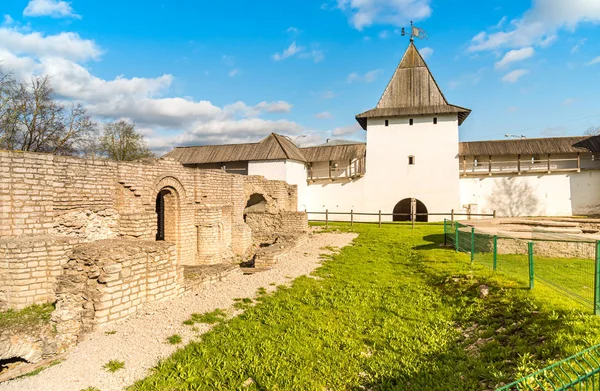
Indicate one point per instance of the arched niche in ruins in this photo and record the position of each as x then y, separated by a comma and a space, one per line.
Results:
168, 201
256, 203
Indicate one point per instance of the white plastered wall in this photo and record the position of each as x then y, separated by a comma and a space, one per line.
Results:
433, 179
270, 169
534, 195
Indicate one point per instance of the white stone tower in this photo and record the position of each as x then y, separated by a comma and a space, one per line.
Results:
412, 143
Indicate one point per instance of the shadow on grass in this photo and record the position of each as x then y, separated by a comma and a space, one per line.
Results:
500, 337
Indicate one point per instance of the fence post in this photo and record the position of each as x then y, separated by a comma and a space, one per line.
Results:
597, 281
494, 213
445, 233
531, 268
351, 217
456, 237
452, 217
326, 218
379, 218
472, 244
495, 252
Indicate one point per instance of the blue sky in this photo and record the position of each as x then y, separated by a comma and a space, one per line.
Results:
198, 72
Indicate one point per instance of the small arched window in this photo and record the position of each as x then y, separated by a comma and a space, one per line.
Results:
411, 160
411, 121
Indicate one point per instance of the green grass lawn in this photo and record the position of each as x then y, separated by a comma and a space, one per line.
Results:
396, 311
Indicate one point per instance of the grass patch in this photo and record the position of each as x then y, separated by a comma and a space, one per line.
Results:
394, 311
174, 339
29, 317
112, 332
216, 316
114, 365
91, 389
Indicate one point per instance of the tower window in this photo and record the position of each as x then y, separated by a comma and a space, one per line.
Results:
387, 122
410, 121
435, 120
411, 160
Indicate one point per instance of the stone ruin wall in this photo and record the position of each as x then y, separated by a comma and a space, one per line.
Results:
51, 204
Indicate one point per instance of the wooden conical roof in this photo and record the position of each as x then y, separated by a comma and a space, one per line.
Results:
412, 90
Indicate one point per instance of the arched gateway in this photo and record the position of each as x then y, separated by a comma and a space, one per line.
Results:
404, 211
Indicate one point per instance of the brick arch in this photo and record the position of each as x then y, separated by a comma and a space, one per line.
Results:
170, 182
168, 196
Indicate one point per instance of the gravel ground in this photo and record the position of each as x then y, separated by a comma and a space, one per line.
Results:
140, 340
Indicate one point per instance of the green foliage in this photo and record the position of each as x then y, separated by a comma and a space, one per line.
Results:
216, 316
393, 312
114, 365
40, 369
112, 332
174, 339
91, 389
120, 141
33, 316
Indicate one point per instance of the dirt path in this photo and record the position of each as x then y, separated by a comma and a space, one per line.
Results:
140, 341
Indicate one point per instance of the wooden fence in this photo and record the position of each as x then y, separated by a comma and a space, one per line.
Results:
412, 216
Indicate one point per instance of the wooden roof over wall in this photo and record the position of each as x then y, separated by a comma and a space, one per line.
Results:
272, 147
531, 146
326, 153
412, 90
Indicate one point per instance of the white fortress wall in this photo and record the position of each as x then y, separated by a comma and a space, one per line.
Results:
560, 194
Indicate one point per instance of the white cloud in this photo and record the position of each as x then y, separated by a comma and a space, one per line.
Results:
67, 44
315, 55
594, 61
500, 24
234, 72
540, 24
292, 30
384, 34
514, 76
292, 50
515, 56
368, 77
569, 101
8, 20
329, 94
426, 52
578, 46
346, 130
53, 8
324, 115
364, 13
167, 120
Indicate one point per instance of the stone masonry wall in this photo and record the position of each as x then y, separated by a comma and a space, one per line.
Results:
52, 197
107, 281
29, 266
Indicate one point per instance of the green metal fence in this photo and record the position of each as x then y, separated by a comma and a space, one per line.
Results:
569, 265
578, 372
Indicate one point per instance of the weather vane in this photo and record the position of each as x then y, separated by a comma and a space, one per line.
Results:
415, 32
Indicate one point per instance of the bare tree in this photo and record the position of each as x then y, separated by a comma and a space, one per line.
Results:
122, 142
593, 131
32, 120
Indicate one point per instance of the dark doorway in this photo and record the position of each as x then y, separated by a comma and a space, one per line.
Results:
160, 214
167, 215
404, 208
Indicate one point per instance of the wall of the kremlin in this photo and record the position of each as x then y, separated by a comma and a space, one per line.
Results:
558, 194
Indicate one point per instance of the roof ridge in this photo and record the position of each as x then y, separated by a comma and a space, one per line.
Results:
525, 139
